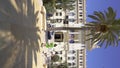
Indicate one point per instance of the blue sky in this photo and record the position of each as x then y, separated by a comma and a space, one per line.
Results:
109, 57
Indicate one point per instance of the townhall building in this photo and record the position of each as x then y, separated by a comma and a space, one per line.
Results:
71, 44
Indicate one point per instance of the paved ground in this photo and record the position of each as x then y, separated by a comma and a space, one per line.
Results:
24, 50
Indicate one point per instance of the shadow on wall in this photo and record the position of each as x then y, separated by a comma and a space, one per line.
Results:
19, 39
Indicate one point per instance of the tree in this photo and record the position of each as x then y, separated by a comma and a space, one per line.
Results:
50, 6
104, 27
65, 4
62, 65
55, 58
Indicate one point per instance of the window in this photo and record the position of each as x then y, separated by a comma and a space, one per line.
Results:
80, 3
69, 64
60, 52
73, 64
60, 14
56, 14
68, 58
72, 30
73, 51
56, 52
58, 36
81, 62
60, 8
65, 21
83, 46
71, 14
80, 9
81, 50
71, 35
61, 58
73, 58
80, 6
71, 41
80, 0
57, 20
80, 12
81, 19
81, 58
66, 17
60, 20
81, 15
48, 35
71, 20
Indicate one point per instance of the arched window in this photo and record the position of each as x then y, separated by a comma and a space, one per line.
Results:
56, 14
73, 64
69, 64
60, 14
73, 58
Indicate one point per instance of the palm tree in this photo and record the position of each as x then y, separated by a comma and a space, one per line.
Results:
104, 28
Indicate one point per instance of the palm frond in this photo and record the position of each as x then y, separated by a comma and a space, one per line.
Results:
89, 34
100, 15
101, 42
93, 23
110, 15
94, 17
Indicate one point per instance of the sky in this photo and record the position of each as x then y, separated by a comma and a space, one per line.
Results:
103, 57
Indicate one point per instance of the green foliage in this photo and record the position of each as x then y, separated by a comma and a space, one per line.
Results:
49, 5
62, 65
53, 66
51, 45
106, 28
65, 4
55, 58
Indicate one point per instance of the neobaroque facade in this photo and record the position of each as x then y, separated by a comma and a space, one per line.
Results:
71, 45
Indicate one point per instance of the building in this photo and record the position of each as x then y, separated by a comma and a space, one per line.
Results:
71, 43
